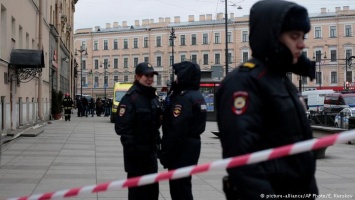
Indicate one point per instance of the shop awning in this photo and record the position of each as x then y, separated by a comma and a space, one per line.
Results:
27, 58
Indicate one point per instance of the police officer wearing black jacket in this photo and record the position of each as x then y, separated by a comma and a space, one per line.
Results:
184, 120
259, 108
137, 122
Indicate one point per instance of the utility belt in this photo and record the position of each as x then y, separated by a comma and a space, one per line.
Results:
230, 189
67, 108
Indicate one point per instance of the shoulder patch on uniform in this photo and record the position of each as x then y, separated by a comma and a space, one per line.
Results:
177, 110
249, 65
240, 102
122, 110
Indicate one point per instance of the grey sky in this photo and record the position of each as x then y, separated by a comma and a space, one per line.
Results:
91, 13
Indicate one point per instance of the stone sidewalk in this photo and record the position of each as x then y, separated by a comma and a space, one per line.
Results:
86, 151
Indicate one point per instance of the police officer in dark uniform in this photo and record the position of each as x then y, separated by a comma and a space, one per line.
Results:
183, 121
67, 104
137, 122
259, 108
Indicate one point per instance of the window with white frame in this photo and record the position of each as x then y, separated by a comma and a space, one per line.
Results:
333, 31
333, 55
84, 64
317, 32
105, 81
105, 44
115, 79
205, 38
217, 58
145, 42
182, 40
194, 58
217, 38
83, 44
115, 44
229, 37
115, 63
183, 58
125, 78
333, 77
158, 41
96, 81
125, 62
348, 53
349, 76
159, 61
245, 56
135, 43
245, 36
83, 81
96, 64
205, 59
229, 58
348, 31
125, 43
135, 61
146, 59
96, 45
193, 39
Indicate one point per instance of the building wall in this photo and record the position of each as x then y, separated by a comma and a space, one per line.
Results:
22, 31
238, 48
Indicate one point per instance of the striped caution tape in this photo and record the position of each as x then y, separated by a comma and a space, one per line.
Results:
246, 159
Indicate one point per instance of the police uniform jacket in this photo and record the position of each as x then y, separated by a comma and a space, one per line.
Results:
184, 119
137, 122
259, 108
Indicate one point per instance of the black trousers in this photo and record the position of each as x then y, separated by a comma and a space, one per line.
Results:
146, 192
181, 189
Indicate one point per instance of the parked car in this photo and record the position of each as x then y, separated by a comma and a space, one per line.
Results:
342, 118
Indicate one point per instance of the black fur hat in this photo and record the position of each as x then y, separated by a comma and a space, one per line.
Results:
296, 19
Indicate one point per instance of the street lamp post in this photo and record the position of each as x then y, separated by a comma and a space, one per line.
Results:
81, 50
105, 63
226, 31
318, 58
172, 37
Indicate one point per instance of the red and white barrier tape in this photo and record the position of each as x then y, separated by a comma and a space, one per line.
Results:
246, 159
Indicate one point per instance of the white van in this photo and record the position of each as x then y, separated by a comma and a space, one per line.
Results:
315, 98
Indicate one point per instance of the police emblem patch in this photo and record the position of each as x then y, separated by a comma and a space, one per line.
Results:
177, 110
122, 110
241, 102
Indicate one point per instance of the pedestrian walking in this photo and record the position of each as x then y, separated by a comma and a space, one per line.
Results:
183, 121
67, 104
259, 108
137, 122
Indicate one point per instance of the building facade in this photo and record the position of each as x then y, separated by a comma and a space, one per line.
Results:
112, 52
46, 26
